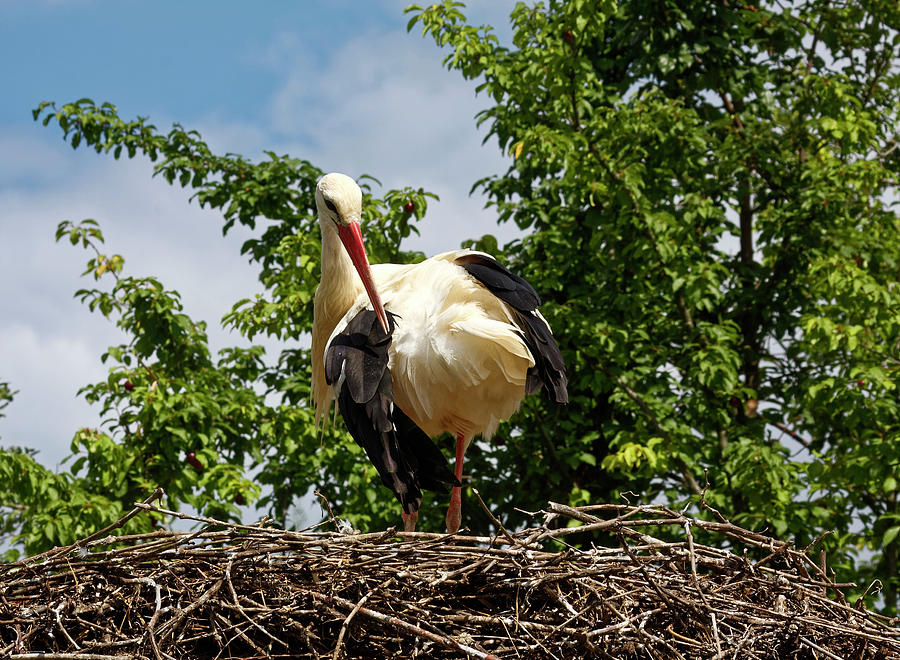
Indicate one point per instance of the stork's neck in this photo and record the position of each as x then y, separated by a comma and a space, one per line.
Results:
337, 269
338, 288
340, 283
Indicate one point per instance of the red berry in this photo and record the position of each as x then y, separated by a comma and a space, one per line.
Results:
129, 386
568, 37
192, 459
860, 382
409, 207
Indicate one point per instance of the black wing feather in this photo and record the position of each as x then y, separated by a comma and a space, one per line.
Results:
502, 282
549, 369
405, 457
422, 455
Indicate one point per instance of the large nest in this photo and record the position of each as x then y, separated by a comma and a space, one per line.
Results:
235, 591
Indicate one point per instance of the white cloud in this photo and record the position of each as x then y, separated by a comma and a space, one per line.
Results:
50, 344
47, 367
383, 105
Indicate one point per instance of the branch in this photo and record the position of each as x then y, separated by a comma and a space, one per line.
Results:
781, 427
394, 622
729, 106
81, 543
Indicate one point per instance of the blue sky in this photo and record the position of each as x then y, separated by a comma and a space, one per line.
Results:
339, 83
180, 58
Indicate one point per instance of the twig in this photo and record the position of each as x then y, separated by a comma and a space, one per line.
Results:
68, 656
158, 493
495, 519
170, 625
452, 596
393, 621
59, 623
237, 604
715, 627
818, 648
338, 647
696, 579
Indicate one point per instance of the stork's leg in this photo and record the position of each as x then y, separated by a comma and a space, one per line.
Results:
409, 520
454, 511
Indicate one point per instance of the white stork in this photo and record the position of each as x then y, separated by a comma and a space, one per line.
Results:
409, 351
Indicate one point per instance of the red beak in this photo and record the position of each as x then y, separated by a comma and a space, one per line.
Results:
351, 237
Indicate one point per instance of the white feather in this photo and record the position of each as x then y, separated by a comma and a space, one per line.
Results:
457, 361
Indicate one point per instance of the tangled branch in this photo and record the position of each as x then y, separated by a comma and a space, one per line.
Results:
254, 591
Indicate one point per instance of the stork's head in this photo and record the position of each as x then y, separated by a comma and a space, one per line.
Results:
338, 199
339, 202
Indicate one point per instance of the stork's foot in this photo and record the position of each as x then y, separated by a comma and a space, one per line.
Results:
409, 521
454, 511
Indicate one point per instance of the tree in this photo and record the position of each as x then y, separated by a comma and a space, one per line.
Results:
173, 415
710, 191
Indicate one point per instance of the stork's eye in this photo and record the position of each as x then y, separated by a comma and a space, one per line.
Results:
330, 205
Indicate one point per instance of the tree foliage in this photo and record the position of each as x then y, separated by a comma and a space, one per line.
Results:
711, 189
213, 431
710, 192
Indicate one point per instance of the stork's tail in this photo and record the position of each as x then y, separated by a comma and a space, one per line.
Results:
549, 370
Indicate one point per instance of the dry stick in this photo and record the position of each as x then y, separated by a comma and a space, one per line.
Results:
441, 640
780, 550
705, 505
715, 627
686, 640
56, 611
538, 642
818, 648
243, 612
468, 568
643, 633
861, 601
238, 633
643, 571
507, 621
101, 645
331, 517
69, 656
696, 579
158, 493
666, 517
171, 624
572, 512
150, 633
624, 624
338, 647
203, 519
812, 623
495, 519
